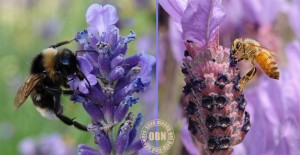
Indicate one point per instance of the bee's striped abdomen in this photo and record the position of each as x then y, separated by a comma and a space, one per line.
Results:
267, 64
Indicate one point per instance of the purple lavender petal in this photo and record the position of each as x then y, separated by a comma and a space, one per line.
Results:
112, 37
121, 48
136, 85
104, 64
122, 138
122, 83
109, 109
187, 140
86, 68
146, 63
294, 13
97, 95
201, 19
261, 12
82, 85
101, 17
123, 108
84, 64
117, 61
27, 147
86, 150
117, 73
103, 143
121, 111
81, 37
93, 110
133, 132
175, 8
92, 79
175, 36
53, 144
131, 61
146, 43
47, 145
134, 147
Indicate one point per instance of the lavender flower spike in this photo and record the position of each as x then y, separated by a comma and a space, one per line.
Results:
216, 108
113, 79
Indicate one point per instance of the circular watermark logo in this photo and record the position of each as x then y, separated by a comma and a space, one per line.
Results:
157, 136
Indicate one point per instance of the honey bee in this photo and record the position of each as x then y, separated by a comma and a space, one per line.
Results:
249, 49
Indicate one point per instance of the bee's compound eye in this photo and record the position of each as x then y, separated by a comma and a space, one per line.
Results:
238, 46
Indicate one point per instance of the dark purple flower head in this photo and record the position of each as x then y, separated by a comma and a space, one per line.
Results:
216, 108
113, 78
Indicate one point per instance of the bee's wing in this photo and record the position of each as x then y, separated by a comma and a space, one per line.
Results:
268, 50
26, 88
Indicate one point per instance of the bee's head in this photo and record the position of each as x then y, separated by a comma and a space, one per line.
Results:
66, 62
236, 46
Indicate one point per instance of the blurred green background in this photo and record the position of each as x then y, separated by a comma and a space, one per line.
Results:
27, 27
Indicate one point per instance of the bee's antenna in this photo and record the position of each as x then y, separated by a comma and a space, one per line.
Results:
62, 43
84, 51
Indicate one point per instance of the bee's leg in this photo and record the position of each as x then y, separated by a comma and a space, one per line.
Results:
70, 122
61, 43
81, 76
53, 90
240, 59
247, 77
68, 92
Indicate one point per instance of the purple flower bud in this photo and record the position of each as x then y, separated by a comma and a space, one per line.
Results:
112, 37
103, 143
134, 147
104, 64
121, 48
131, 61
93, 110
117, 73
117, 61
133, 132
123, 136
123, 108
108, 109
86, 150
81, 37
136, 85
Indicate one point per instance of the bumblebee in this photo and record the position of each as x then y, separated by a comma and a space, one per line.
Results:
249, 49
49, 71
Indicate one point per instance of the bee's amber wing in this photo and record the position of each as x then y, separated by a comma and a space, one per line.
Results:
26, 88
275, 54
